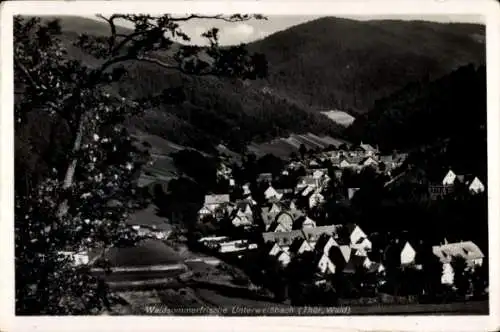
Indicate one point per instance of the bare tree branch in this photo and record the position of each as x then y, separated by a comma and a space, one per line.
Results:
221, 17
112, 27
27, 74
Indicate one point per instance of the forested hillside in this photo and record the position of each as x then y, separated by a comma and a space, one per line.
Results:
212, 111
445, 118
334, 63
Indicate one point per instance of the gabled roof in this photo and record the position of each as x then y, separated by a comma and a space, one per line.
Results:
296, 245
468, 250
216, 199
314, 233
367, 148
298, 223
322, 241
282, 237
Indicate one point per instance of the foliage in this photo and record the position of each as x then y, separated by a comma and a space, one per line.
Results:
85, 188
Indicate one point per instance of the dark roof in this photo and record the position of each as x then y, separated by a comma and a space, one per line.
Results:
295, 246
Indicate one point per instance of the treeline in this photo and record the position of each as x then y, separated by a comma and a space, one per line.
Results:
219, 111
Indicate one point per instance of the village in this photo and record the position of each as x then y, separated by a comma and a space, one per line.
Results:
290, 222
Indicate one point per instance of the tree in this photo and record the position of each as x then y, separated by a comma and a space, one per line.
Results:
87, 193
461, 275
302, 151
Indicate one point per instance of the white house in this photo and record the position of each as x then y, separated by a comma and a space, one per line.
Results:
476, 186
467, 250
346, 252
212, 202
363, 244
275, 250
283, 257
368, 149
449, 178
356, 233
344, 164
408, 254
325, 265
304, 246
325, 246
239, 220
370, 162
272, 193
286, 220
275, 208
308, 223
77, 258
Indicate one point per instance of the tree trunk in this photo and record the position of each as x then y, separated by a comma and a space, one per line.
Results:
70, 171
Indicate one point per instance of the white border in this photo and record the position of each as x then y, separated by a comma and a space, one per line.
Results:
8, 322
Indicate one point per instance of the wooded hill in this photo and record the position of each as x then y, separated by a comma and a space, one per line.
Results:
443, 120
322, 64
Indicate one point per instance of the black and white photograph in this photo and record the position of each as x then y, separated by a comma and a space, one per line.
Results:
250, 164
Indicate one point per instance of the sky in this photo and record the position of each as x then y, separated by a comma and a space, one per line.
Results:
243, 32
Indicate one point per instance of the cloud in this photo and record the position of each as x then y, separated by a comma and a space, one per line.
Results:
238, 33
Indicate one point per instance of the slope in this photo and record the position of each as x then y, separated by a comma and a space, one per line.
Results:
334, 63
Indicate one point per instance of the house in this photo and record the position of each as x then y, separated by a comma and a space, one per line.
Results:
368, 149
241, 221
275, 208
356, 234
408, 254
286, 220
299, 246
277, 227
77, 258
272, 193
356, 262
325, 265
212, 202
325, 243
344, 164
303, 222
362, 244
283, 257
215, 200
275, 250
312, 234
236, 246
351, 192
439, 191
467, 250
476, 186
282, 238
449, 179
267, 217
313, 163
369, 161
244, 207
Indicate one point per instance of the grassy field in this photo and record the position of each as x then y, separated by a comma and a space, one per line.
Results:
148, 252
